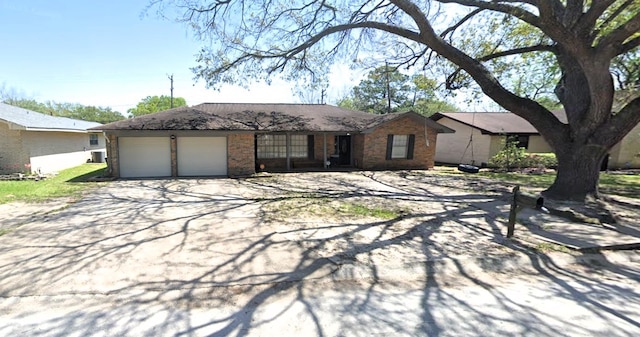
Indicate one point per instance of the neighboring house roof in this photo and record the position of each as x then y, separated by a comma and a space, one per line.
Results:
263, 117
496, 122
24, 119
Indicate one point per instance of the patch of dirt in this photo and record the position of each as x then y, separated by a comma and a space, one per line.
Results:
432, 217
435, 216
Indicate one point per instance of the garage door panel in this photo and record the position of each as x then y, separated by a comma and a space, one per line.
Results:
144, 157
202, 156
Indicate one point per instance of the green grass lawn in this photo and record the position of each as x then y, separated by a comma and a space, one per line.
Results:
627, 185
68, 183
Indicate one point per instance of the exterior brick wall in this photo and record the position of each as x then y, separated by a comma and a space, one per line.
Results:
13, 155
374, 146
318, 146
240, 154
357, 148
173, 148
113, 164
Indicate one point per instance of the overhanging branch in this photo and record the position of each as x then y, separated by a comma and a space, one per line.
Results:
539, 116
621, 123
614, 41
517, 51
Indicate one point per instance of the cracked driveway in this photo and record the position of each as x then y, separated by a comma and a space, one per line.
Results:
220, 257
142, 235
190, 234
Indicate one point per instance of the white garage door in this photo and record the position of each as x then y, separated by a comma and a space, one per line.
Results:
144, 156
202, 156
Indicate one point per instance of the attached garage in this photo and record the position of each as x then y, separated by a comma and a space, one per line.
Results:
225, 139
202, 156
144, 156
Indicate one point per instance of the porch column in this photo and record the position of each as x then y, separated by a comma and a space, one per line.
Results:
288, 138
324, 150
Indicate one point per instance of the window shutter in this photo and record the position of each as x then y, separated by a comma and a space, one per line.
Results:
410, 146
389, 146
310, 147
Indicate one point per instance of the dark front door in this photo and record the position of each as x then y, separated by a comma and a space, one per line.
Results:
344, 150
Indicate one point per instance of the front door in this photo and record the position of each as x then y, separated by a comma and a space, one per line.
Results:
344, 150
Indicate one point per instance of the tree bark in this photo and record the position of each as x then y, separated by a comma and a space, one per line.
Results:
578, 172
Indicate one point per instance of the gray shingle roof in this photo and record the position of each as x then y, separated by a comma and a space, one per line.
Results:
260, 117
31, 120
496, 122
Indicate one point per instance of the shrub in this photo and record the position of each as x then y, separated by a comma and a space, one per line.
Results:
512, 156
541, 160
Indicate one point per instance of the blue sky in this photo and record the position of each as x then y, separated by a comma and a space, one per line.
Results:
106, 53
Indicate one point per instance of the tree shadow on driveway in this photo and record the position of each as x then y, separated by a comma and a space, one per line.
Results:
216, 257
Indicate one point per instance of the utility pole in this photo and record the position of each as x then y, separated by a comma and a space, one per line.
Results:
171, 79
322, 93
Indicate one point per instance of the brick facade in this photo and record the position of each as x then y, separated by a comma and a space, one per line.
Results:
370, 149
240, 154
113, 166
13, 155
318, 146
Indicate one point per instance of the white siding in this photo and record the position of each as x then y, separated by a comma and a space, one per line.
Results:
451, 146
626, 154
55, 151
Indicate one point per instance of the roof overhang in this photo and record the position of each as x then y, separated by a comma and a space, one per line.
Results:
418, 118
54, 130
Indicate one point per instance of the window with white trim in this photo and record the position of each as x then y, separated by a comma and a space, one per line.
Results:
275, 146
299, 146
93, 139
399, 147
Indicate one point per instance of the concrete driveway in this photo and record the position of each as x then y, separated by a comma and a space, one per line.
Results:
223, 257
191, 234
148, 234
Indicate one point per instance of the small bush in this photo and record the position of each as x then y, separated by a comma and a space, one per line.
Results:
541, 160
511, 156
514, 157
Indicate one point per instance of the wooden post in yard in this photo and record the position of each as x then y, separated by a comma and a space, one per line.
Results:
513, 212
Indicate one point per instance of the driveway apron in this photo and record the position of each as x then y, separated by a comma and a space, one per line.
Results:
147, 235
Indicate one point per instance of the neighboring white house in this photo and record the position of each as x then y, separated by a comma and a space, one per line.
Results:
35, 142
480, 135
626, 154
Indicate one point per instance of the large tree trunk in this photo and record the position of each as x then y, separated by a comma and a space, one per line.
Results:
578, 172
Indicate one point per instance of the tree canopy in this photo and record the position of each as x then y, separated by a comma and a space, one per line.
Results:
151, 104
385, 90
567, 49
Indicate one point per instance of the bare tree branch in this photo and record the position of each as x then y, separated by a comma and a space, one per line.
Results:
630, 45
466, 18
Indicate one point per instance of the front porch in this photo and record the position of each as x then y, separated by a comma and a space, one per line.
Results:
300, 152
